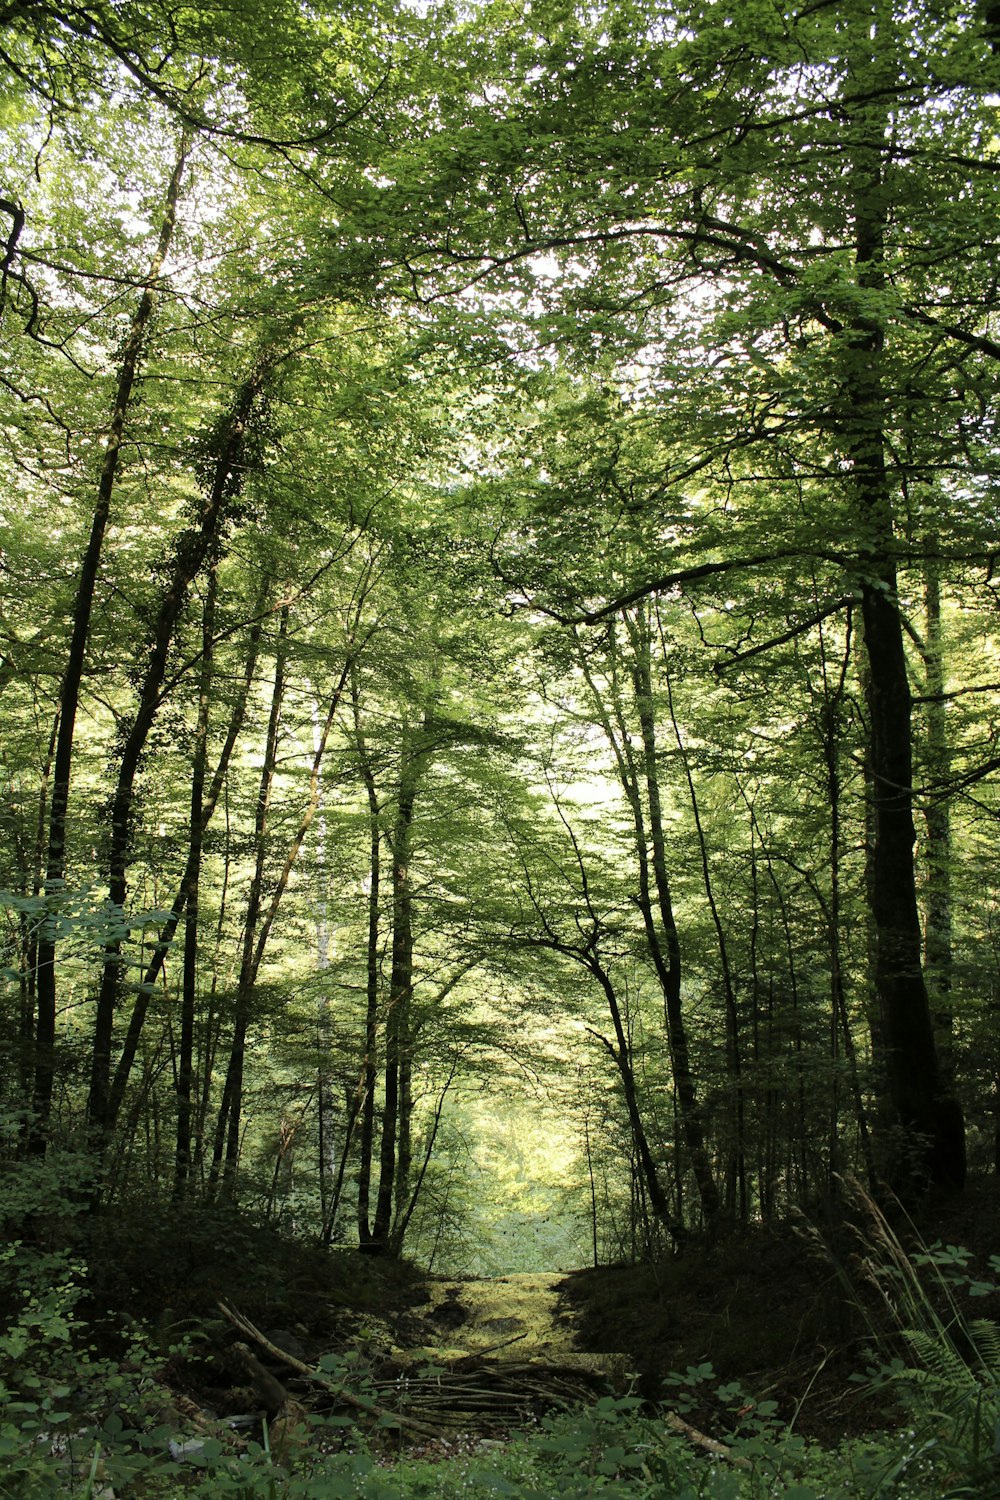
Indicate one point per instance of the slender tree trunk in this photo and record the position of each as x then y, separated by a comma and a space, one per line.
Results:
765, 1132
841, 1035
661, 925
196, 832
407, 1205
228, 1125
33, 885
938, 923
621, 1053
797, 1134
69, 696
162, 946
369, 1069
737, 1174
331, 1171
400, 995
329, 1224
654, 899
212, 1028
258, 929
927, 1113
593, 1190
404, 1133
326, 1154
193, 549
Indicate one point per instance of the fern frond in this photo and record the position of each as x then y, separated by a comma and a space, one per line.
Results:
940, 1359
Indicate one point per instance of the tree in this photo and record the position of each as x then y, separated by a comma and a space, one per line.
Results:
781, 222
423, 423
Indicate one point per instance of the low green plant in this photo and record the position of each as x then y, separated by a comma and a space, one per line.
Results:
75, 1425
938, 1362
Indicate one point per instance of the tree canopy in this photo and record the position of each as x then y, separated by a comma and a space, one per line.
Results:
499, 626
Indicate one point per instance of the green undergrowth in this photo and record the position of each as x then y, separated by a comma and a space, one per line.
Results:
83, 1417
614, 1448
76, 1427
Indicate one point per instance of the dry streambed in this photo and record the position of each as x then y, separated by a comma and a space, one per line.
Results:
517, 1315
472, 1357
494, 1354
467, 1358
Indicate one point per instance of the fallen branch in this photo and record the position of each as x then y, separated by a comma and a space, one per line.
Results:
718, 1450
468, 1360
317, 1377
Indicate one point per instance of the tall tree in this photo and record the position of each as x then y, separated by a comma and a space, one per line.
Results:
781, 222
69, 697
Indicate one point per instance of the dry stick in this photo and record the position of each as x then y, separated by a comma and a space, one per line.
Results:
477, 1354
719, 1450
458, 1397
360, 1403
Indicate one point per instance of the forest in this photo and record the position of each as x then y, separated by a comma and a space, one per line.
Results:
500, 689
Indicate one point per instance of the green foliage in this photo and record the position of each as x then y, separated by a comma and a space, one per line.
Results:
614, 1449
82, 921
51, 1379
948, 1378
74, 1423
580, 310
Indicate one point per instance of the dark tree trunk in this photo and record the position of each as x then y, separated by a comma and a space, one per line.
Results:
639, 780
196, 831
228, 1125
656, 906
736, 1194
369, 1067
258, 929
621, 1053
32, 1142
927, 1114
830, 733
192, 550
400, 995
938, 923
69, 696
168, 932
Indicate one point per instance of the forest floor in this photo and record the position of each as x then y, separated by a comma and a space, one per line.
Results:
790, 1313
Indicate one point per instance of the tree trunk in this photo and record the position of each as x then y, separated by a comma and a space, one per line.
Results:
33, 884
621, 1053
69, 696
938, 923
369, 1067
228, 1125
326, 1154
162, 946
400, 995
256, 936
661, 925
927, 1114
830, 731
736, 1195
654, 899
196, 831
192, 550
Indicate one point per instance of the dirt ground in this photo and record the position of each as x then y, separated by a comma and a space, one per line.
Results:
796, 1313
789, 1312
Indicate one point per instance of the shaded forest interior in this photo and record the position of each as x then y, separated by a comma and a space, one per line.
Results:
499, 636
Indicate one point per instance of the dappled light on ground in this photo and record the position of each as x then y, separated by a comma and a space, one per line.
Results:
517, 1316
